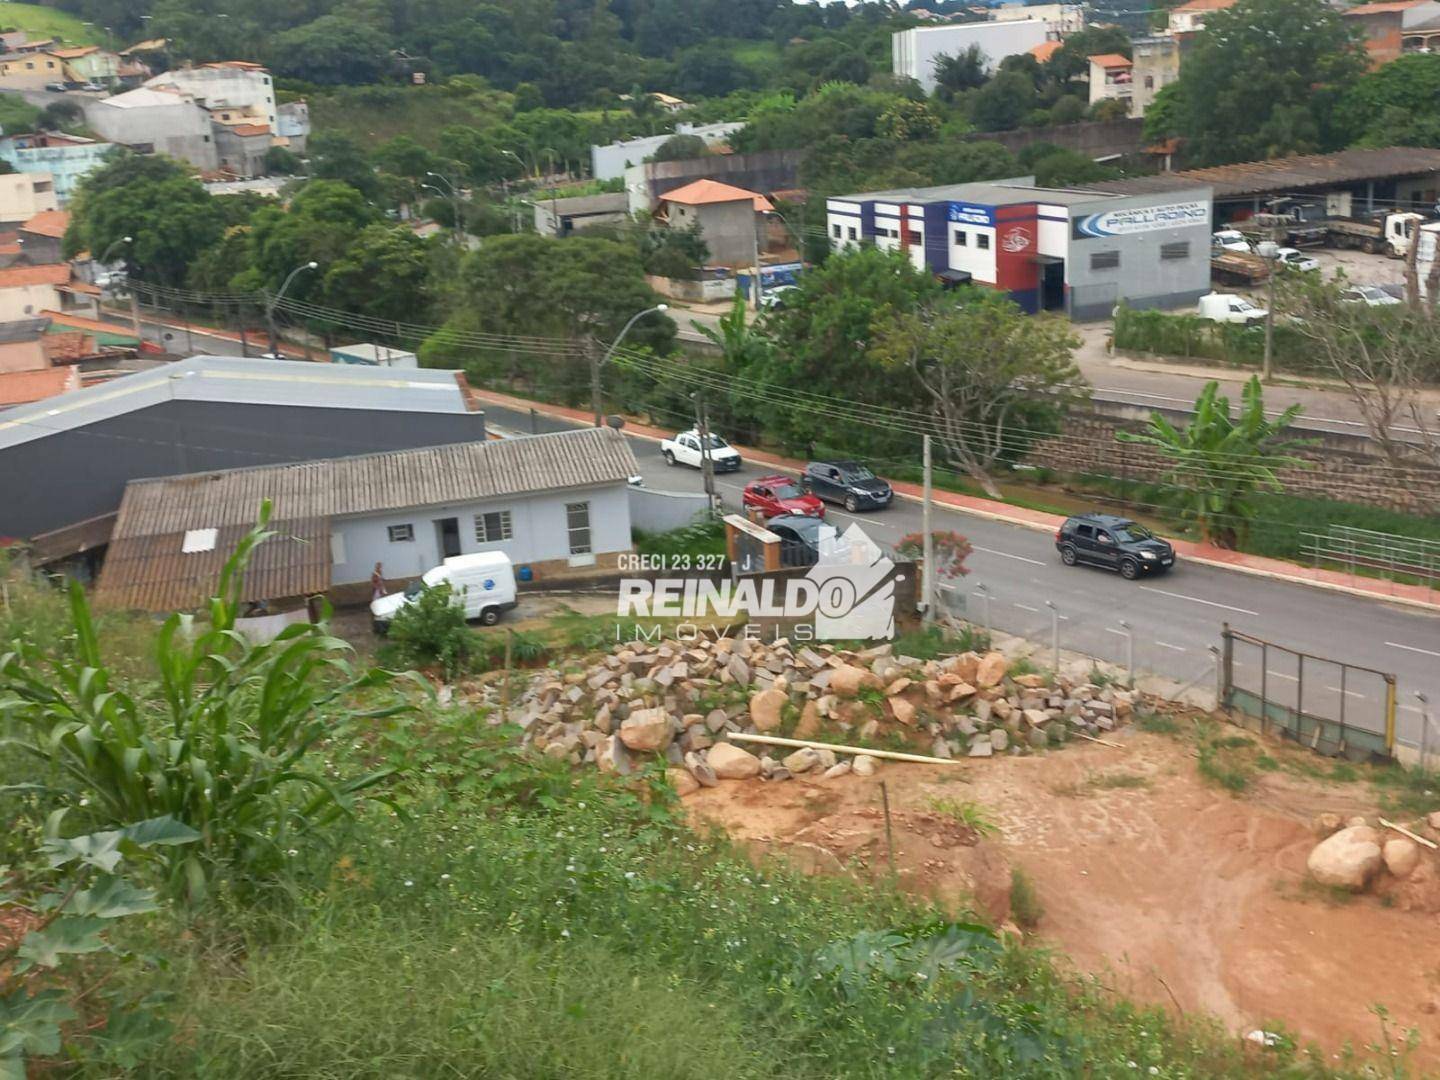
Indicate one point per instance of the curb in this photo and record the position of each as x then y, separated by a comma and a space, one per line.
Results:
1037, 526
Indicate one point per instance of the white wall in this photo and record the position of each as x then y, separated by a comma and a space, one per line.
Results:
538, 533
609, 162
887, 221
913, 52
25, 194
971, 257
845, 217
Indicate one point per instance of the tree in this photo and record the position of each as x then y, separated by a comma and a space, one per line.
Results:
1219, 463
993, 377
1056, 166
1003, 102
681, 148
1386, 357
384, 272
335, 50
1072, 60
1396, 105
170, 217
336, 156
908, 121
963, 71
321, 224
1262, 80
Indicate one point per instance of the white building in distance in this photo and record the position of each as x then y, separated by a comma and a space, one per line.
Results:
914, 52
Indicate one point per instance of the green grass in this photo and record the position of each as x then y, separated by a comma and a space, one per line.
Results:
1108, 781
377, 114
704, 539
933, 641
1407, 792
46, 22
1025, 905
970, 814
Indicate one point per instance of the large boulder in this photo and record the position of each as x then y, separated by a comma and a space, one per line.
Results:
802, 760
766, 707
809, 725
646, 730
990, 670
903, 710
729, 762
847, 680
1347, 860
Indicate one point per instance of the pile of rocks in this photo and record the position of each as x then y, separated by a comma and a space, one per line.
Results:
682, 700
1357, 856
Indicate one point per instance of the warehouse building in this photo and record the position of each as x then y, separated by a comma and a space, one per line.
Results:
1052, 249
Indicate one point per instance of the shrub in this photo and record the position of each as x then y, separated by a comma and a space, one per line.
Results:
219, 745
430, 632
1025, 903
705, 536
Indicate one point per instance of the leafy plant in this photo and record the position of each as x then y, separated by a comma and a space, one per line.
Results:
1219, 462
934, 640
220, 746
69, 919
431, 632
1025, 902
970, 814
950, 551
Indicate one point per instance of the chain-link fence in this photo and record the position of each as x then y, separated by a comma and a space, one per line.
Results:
1365, 551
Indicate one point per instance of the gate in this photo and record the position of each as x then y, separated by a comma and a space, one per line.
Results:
1328, 705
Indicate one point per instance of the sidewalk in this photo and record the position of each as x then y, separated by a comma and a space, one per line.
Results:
1206, 554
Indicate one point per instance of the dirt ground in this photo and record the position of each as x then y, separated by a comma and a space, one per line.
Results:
1175, 893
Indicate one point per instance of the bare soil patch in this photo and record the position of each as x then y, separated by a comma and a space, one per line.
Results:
1169, 889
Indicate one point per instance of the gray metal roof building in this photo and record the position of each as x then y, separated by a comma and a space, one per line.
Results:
65, 461
174, 534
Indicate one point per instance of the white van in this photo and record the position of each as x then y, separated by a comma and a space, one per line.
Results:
1229, 308
483, 583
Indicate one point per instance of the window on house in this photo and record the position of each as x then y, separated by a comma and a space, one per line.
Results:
962, 238
1104, 260
835, 231
1179, 249
1149, 82
400, 534
492, 527
852, 232
577, 522
982, 241
916, 239
30, 65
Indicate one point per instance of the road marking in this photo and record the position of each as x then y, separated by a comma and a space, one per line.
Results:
1116, 630
1282, 675
1027, 607
1348, 693
1409, 708
1207, 603
1411, 648
1167, 645
1007, 555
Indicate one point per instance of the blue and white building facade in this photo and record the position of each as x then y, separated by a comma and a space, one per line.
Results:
1052, 249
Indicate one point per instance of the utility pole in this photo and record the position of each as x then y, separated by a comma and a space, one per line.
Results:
1269, 250
134, 308
593, 353
707, 466
755, 252
929, 537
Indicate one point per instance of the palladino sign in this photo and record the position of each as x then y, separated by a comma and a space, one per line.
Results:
1143, 219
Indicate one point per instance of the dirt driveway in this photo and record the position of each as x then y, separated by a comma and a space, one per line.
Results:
1169, 889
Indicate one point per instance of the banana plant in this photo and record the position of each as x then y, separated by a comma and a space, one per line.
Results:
224, 745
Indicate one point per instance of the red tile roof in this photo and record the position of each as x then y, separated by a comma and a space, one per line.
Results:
1045, 50
48, 274
705, 192
68, 346
1203, 5
1110, 60
76, 53
250, 129
52, 223
23, 387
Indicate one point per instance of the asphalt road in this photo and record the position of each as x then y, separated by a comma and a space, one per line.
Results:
1175, 618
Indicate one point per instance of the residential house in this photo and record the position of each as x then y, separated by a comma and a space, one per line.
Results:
610, 162
766, 171
550, 502
561, 217
25, 194
1060, 20
22, 345
231, 90
66, 159
241, 146
156, 121
37, 45
292, 126
35, 364
30, 70
1110, 78
915, 52
26, 387
43, 236
89, 64
11, 40
207, 413
727, 218
27, 290
1155, 65
669, 102
1391, 29
1189, 17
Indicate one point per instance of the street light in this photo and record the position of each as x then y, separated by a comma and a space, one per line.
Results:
1269, 251
597, 362
273, 300
505, 187
454, 200
105, 259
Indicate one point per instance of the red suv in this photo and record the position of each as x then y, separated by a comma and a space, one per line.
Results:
775, 495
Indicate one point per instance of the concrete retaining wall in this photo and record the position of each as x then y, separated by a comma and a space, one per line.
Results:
661, 511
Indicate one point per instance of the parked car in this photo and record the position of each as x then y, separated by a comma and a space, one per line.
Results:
776, 495
1296, 259
483, 583
773, 299
1369, 295
93, 87
1116, 543
1229, 308
1228, 240
56, 87
800, 538
684, 449
847, 482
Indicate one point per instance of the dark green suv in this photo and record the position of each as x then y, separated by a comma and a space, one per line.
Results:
1115, 543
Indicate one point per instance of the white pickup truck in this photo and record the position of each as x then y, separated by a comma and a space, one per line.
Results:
684, 449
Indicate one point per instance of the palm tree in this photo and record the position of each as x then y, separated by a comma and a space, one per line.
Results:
1219, 463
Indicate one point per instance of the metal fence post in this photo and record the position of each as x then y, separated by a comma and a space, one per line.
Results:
1219, 675
1129, 651
1424, 729
984, 592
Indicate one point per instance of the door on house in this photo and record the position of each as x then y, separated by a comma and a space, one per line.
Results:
1052, 285
447, 536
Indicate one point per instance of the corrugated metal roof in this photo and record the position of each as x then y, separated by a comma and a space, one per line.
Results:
371, 483
152, 573
254, 381
1289, 173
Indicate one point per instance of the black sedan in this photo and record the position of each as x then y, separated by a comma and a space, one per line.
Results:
847, 482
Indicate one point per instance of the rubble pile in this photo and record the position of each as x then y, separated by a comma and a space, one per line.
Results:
682, 700
1358, 855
